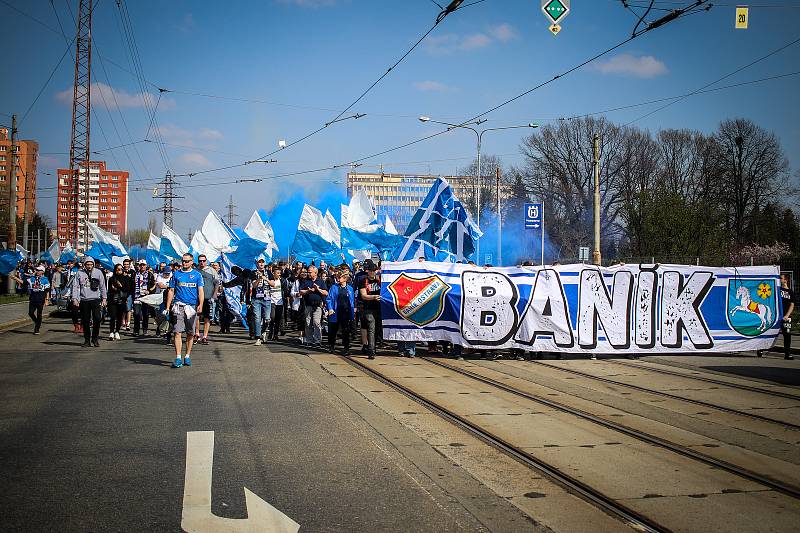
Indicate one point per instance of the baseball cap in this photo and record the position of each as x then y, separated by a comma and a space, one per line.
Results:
142, 262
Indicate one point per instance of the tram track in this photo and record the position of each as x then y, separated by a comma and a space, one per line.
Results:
612, 507
785, 488
739, 386
585, 490
672, 396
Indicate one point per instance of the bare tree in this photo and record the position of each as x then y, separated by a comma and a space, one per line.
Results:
559, 169
489, 165
752, 168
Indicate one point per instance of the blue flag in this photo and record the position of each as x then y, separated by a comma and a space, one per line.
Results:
441, 229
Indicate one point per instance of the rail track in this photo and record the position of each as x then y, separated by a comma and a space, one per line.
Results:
672, 396
739, 386
609, 505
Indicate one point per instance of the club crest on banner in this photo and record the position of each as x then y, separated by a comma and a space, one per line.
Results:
419, 300
752, 305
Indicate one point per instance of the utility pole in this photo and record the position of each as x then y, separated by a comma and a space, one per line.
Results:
81, 113
499, 221
168, 196
12, 198
596, 258
231, 213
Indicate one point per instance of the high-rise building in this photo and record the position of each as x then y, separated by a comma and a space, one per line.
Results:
26, 157
108, 201
399, 195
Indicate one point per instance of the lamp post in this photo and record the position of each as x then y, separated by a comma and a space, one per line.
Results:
479, 135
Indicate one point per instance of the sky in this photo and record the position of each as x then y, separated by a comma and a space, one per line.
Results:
279, 69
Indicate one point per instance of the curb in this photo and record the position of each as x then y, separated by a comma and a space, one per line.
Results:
15, 324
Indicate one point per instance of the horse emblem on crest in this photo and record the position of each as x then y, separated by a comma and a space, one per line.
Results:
752, 305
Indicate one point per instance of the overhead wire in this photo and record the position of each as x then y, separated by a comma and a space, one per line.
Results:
726, 76
453, 6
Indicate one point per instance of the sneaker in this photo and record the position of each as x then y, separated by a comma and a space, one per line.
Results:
86, 344
204, 340
96, 343
258, 341
789, 358
346, 352
371, 356
111, 336
187, 361
411, 356
116, 335
178, 363
593, 357
36, 332
264, 337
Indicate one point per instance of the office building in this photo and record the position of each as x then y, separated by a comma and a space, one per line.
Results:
399, 195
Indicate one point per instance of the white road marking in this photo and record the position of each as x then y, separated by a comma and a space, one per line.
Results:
197, 516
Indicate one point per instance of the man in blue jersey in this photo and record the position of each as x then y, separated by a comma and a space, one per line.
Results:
185, 300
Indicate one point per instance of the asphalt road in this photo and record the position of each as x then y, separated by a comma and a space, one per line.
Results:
95, 440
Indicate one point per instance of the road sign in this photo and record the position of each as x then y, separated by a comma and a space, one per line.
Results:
583, 254
533, 216
742, 17
554, 29
555, 10
487, 259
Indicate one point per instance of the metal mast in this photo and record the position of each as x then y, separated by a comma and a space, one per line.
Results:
168, 194
231, 213
81, 111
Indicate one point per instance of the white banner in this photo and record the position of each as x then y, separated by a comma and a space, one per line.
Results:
582, 308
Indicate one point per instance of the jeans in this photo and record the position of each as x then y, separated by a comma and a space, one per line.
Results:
407, 347
141, 316
313, 321
261, 310
371, 321
90, 316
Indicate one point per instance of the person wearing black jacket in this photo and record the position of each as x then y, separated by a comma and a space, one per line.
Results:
120, 286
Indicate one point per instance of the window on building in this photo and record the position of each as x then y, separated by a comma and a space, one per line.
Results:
115, 185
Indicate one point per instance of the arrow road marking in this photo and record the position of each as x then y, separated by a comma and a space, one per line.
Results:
197, 516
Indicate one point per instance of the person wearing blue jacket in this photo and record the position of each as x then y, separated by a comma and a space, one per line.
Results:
341, 310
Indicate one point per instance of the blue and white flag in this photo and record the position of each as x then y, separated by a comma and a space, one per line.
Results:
215, 238
441, 229
361, 233
68, 254
105, 246
171, 245
9, 259
53, 253
315, 237
583, 308
233, 295
152, 254
259, 228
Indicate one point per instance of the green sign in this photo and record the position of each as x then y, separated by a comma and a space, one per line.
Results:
555, 10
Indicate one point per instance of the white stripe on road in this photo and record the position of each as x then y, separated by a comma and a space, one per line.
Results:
197, 516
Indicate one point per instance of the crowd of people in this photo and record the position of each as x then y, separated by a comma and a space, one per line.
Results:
315, 304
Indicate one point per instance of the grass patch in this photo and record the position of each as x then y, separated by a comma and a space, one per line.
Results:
12, 298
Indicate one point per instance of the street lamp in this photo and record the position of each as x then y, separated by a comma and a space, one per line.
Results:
479, 135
